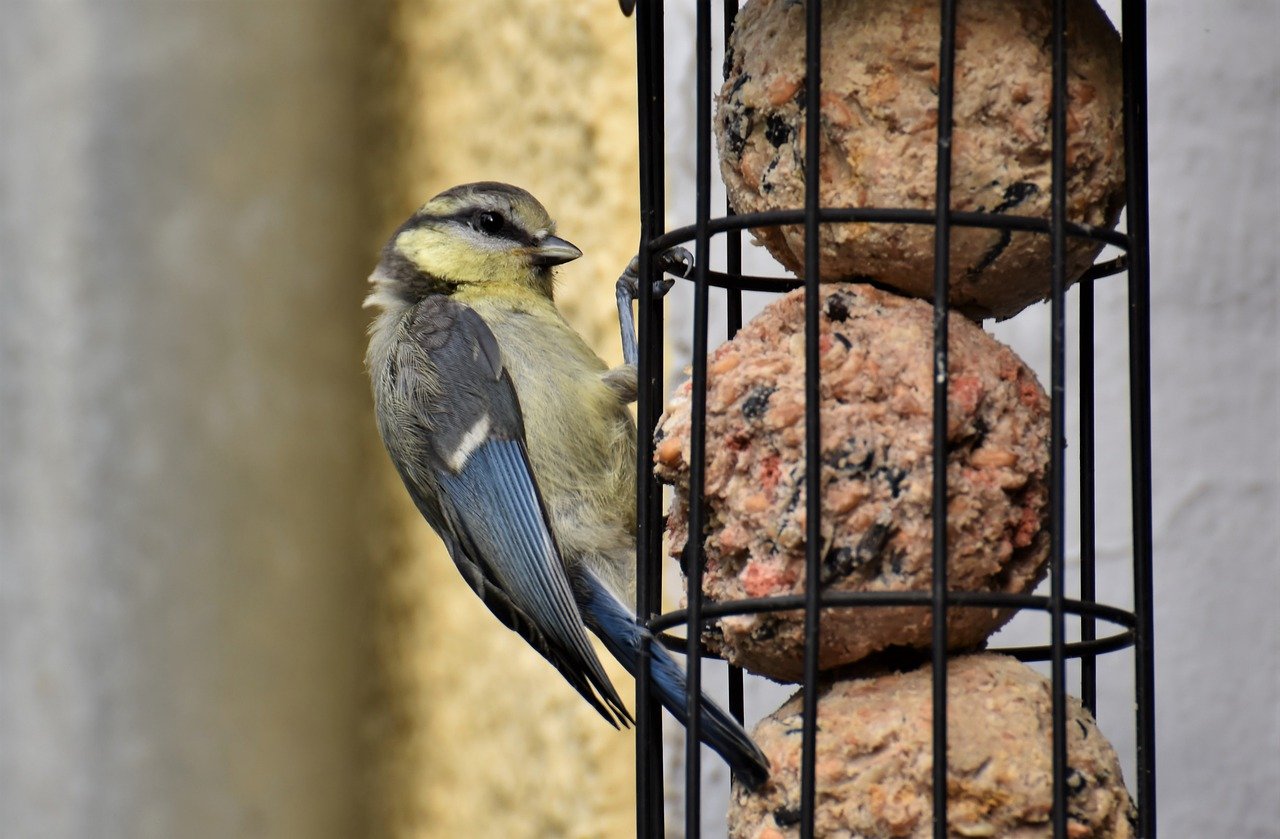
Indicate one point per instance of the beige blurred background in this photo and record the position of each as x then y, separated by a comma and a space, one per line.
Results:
219, 616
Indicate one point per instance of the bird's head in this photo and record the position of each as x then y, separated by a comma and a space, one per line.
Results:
485, 237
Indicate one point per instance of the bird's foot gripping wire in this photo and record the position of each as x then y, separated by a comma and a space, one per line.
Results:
676, 261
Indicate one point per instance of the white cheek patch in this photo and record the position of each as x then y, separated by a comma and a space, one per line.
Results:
470, 442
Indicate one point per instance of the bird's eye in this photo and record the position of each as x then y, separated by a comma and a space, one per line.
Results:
490, 222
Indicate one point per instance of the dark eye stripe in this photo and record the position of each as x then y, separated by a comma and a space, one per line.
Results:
510, 231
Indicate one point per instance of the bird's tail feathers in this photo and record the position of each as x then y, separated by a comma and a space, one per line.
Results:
623, 636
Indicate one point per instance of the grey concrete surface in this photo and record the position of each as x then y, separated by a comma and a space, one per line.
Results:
184, 232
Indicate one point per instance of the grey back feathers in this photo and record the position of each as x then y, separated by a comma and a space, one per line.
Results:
451, 422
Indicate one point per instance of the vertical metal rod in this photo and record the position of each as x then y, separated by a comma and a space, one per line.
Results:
1057, 484
733, 265
733, 239
941, 378
1134, 25
812, 412
698, 419
1088, 499
649, 788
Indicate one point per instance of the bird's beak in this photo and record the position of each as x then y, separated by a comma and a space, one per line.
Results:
552, 250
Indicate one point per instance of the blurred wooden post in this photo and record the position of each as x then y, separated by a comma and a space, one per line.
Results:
478, 735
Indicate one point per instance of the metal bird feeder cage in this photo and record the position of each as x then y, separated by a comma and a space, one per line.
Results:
1102, 628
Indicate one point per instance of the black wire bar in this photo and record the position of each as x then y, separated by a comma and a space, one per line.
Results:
698, 430
941, 382
649, 400
1133, 629
1133, 21
733, 316
812, 424
1058, 434
1088, 497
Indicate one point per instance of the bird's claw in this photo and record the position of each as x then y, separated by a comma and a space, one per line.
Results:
676, 261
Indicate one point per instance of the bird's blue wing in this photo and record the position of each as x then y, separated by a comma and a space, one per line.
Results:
482, 489
498, 516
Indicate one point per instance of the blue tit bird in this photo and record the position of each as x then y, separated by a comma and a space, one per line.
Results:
516, 444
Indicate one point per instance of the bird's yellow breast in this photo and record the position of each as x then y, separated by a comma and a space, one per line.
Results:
580, 436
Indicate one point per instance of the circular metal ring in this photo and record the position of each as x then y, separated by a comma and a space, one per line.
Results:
779, 284
922, 599
885, 215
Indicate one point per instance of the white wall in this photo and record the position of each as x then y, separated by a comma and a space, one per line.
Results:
1214, 102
